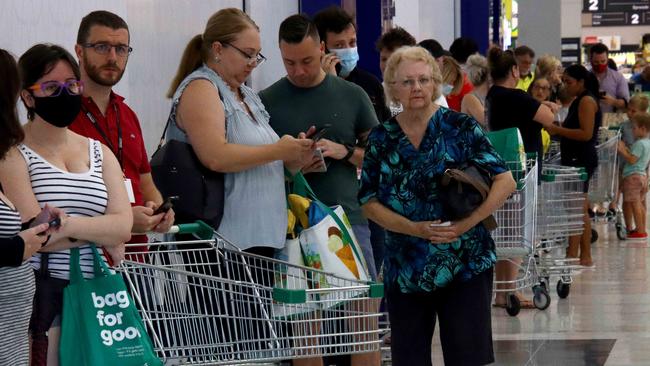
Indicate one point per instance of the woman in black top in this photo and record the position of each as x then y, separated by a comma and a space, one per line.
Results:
509, 107
578, 136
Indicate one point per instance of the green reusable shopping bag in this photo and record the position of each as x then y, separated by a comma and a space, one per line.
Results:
509, 145
100, 324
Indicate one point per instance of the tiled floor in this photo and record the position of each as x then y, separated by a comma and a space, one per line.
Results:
604, 321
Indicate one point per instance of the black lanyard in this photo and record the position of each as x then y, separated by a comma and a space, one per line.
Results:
99, 129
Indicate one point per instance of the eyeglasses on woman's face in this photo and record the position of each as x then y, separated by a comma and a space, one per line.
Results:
54, 88
256, 60
424, 81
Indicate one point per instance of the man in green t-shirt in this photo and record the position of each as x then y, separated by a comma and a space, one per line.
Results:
308, 96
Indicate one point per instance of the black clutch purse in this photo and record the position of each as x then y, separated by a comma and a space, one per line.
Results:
462, 190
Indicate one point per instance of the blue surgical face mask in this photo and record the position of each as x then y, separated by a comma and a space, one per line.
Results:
349, 58
447, 89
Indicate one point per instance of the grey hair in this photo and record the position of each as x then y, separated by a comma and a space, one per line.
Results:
477, 69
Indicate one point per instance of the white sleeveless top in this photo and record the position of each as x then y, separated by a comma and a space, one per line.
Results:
78, 194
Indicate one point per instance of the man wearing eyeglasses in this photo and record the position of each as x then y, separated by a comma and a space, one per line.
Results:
103, 51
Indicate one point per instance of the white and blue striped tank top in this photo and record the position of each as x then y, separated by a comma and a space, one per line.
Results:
78, 194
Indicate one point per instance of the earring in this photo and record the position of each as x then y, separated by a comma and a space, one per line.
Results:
217, 59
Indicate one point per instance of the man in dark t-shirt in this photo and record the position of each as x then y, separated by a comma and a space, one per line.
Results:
309, 96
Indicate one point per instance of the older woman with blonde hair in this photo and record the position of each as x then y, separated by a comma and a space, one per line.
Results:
550, 68
432, 267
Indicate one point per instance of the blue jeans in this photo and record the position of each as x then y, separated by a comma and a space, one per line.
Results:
362, 232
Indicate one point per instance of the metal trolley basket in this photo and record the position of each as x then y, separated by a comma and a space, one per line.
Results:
603, 184
559, 215
206, 302
514, 237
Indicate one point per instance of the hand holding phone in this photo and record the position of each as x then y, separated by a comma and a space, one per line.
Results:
49, 215
167, 205
45, 216
320, 132
330, 63
319, 153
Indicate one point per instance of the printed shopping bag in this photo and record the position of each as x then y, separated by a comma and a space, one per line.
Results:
100, 324
330, 244
292, 276
510, 146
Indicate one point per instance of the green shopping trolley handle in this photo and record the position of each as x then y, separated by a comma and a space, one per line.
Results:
199, 228
583, 176
299, 296
548, 177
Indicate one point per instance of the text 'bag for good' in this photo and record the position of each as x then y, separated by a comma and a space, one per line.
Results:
100, 324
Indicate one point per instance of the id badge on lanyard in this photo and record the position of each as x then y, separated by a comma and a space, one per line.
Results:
129, 189
127, 182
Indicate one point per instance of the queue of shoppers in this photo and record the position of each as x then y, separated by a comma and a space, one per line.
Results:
80, 160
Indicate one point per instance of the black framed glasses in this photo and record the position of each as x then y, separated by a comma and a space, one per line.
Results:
257, 59
102, 48
54, 88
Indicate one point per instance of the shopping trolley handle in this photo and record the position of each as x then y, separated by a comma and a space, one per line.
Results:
199, 228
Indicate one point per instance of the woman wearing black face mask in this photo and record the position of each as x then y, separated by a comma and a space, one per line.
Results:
57, 166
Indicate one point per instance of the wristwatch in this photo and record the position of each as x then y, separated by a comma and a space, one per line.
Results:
350, 152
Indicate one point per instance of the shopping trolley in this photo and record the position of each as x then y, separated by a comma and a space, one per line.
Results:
553, 155
604, 182
514, 238
560, 214
207, 302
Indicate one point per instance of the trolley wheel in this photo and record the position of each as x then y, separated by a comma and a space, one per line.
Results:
594, 236
513, 305
543, 283
563, 289
621, 233
541, 298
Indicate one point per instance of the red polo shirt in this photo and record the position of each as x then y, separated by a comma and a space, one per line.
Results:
134, 155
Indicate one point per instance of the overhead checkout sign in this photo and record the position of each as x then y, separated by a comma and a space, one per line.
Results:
608, 13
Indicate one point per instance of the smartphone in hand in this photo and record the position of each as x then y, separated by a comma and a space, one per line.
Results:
167, 205
320, 132
319, 153
46, 216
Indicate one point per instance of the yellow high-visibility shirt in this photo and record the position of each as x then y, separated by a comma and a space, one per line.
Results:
525, 82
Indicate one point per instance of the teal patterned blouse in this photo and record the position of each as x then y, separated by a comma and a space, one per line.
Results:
405, 180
